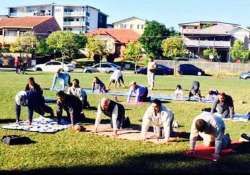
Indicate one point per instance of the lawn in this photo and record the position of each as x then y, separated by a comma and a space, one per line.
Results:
71, 152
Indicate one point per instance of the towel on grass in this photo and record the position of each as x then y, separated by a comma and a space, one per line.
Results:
41, 125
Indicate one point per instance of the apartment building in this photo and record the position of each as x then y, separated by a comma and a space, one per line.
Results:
201, 35
133, 23
12, 28
78, 19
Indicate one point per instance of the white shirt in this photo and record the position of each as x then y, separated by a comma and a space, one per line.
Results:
116, 75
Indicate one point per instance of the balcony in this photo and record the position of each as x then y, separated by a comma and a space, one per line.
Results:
73, 23
74, 14
207, 43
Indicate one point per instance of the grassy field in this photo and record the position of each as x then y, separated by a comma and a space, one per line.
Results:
71, 152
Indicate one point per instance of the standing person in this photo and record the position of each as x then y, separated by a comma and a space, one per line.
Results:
98, 85
35, 103
17, 64
79, 92
195, 90
158, 115
224, 105
72, 105
151, 70
116, 77
211, 129
140, 92
61, 77
24, 65
115, 111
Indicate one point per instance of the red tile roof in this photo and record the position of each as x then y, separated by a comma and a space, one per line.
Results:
23, 22
121, 35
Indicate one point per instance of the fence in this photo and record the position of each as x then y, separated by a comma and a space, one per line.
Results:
210, 67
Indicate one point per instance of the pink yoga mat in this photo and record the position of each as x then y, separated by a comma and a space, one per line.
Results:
204, 152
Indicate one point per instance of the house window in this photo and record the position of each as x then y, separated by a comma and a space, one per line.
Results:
121, 25
1, 32
138, 26
10, 33
124, 26
131, 26
142, 26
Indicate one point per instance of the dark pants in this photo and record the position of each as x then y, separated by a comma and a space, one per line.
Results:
73, 114
41, 110
144, 97
225, 112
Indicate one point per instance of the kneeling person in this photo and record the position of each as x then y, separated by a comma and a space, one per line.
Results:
158, 115
71, 104
211, 129
113, 110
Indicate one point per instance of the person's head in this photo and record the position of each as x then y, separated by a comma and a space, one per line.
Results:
200, 125
61, 96
178, 87
222, 96
133, 84
31, 81
75, 83
156, 104
60, 70
105, 103
96, 79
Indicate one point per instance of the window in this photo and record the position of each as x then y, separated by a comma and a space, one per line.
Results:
138, 26
121, 25
131, 26
142, 26
1, 32
10, 33
124, 26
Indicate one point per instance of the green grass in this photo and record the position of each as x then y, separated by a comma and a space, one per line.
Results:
68, 151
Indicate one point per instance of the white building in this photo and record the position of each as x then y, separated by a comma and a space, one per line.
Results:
201, 35
78, 19
133, 23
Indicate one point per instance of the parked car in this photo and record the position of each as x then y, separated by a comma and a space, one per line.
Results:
189, 69
54, 66
160, 70
245, 75
101, 67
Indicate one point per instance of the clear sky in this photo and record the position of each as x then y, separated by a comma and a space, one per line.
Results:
169, 12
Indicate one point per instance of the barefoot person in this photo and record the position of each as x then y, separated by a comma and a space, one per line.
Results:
158, 115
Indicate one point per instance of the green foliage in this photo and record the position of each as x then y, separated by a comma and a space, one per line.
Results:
43, 48
210, 53
238, 51
173, 47
95, 47
66, 42
133, 51
151, 39
25, 43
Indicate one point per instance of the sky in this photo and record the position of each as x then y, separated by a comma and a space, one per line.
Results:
168, 12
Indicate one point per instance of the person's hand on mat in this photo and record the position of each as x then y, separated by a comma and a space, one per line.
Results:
216, 157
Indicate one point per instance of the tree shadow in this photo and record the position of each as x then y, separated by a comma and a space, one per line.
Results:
153, 163
3, 121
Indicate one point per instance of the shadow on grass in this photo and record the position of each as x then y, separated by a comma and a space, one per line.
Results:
3, 121
164, 163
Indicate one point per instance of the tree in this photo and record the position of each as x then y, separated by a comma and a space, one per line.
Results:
95, 47
152, 37
173, 47
133, 51
42, 48
67, 43
26, 43
210, 53
238, 51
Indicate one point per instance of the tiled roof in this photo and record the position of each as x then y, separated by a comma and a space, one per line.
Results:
120, 35
23, 22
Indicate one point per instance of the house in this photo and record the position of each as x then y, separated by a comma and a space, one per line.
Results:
133, 23
75, 18
201, 35
115, 39
11, 28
